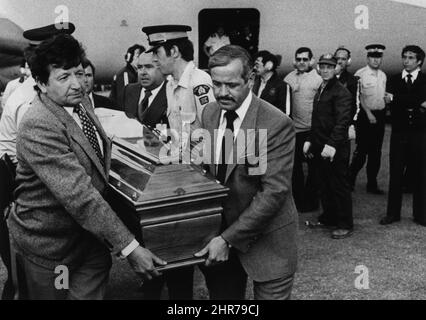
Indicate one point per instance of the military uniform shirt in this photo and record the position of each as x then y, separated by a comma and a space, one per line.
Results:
187, 98
371, 88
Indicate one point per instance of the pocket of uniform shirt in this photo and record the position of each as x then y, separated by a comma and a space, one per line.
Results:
369, 90
188, 117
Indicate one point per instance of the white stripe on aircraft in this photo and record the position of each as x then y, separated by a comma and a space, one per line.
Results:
418, 3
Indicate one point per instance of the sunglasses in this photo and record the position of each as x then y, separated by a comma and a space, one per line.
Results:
302, 59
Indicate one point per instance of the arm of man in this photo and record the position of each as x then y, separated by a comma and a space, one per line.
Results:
49, 154
342, 107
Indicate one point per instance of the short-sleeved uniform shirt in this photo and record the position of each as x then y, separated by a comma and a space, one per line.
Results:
186, 99
372, 87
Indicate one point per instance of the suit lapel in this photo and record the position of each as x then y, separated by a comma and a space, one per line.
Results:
212, 124
152, 115
106, 142
77, 134
132, 97
246, 136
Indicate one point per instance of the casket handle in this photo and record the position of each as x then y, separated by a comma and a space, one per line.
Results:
180, 191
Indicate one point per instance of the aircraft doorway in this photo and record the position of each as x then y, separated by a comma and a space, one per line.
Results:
240, 25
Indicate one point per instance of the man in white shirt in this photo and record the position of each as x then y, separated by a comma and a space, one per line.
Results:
304, 83
370, 120
215, 41
258, 234
189, 89
146, 100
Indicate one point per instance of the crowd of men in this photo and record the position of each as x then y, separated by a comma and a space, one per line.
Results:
51, 136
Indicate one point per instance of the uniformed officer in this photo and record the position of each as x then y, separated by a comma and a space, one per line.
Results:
189, 89
370, 119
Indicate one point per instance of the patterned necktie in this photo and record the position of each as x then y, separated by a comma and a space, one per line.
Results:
230, 116
144, 103
89, 130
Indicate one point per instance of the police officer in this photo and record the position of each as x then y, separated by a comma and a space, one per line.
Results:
189, 89
370, 123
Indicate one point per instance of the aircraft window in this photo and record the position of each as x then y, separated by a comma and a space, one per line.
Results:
240, 25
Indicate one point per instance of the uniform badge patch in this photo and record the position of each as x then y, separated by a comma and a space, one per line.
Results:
201, 90
204, 100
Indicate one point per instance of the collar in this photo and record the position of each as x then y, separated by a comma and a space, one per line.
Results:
153, 91
185, 79
414, 74
70, 110
372, 71
92, 99
330, 82
268, 76
242, 109
310, 69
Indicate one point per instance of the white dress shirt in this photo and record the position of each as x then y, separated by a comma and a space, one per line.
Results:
153, 94
241, 112
414, 75
76, 118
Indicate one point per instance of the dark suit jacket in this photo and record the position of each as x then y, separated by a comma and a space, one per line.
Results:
275, 91
350, 82
60, 209
259, 213
331, 116
406, 98
119, 84
157, 110
103, 102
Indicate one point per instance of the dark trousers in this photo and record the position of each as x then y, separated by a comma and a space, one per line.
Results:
179, 284
8, 290
87, 280
369, 141
407, 147
228, 281
335, 191
305, 189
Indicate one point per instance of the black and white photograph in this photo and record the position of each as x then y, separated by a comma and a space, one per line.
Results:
193, 151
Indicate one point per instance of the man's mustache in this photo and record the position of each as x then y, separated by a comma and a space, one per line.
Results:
226, 99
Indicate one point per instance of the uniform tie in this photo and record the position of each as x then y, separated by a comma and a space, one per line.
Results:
89, 131
230, 116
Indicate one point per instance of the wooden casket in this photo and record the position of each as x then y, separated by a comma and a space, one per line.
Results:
173, 209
